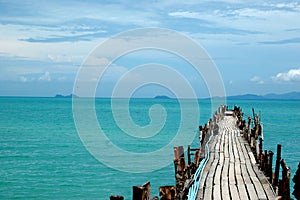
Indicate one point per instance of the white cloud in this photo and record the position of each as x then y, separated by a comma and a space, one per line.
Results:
186, 14
257, 80
45, 77
293, 75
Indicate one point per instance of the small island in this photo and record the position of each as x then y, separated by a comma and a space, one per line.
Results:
65, 96
162, 97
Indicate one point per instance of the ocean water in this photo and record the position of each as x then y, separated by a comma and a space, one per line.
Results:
43, 157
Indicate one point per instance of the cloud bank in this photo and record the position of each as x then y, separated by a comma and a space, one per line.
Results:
293, 75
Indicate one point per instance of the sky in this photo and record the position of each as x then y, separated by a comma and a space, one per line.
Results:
254, 46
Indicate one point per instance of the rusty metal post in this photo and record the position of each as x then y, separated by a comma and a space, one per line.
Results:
278, 158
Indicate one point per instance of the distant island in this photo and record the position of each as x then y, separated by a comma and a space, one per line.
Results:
65, 96
162, 97
270, 96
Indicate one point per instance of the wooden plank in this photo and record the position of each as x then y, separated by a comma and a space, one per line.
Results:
217, 192
225, 180
222, 142
206, 184
241, 154
251, 192
217, 177
225, 189
242, 192
218, 144
234, 192
200, 193
268, 192
231, 174
239, 180
245, 174
235, 150
212, 144
265, 183
250, 169
252, 158
231, 155
212, 170
221, 159
225, 168
237, 169
226, 146
208, 189
259, 189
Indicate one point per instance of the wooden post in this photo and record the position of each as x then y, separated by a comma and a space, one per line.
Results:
141, 192
270, 163
296, 180
278, 158
285, 190
167, 192
180, 169
116, 198
189, 154
260, 150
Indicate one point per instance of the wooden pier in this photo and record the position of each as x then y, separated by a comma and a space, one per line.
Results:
228, 164
231, 171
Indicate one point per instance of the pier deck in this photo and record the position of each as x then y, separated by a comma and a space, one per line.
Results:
231, 171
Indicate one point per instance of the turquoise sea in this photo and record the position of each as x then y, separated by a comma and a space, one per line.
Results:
42, 156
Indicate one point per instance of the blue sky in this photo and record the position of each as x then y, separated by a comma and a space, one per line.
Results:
255, 46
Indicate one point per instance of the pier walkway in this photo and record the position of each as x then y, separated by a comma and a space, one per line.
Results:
231, 171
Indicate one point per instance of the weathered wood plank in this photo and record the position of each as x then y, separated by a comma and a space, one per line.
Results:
256, 183
252, 158
234, 147
222, 142
200, 193
237, 169
251, 191
226, 146
242, 192
204, 175
225, 189
259, 189
231, 174
231, 155
234, 192
225, 168
245, 174
217, 177
241, 154
208, 189
217, 192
